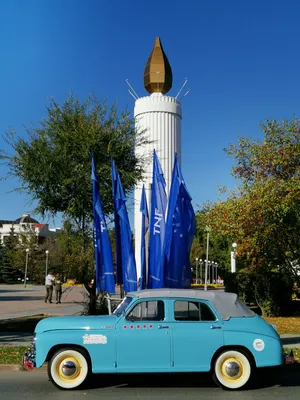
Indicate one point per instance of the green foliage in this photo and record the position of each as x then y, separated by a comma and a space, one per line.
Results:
6, 270
263, 215
219, 246
66, 255
7, 251
53, 164
271, 290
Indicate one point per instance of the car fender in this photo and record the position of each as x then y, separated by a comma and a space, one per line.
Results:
100, 345
266, 350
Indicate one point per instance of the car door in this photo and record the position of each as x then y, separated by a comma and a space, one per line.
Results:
196, 335
143, 338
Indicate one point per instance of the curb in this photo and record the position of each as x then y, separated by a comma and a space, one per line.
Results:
17, 368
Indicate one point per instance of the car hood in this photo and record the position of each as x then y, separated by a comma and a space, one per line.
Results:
76, 323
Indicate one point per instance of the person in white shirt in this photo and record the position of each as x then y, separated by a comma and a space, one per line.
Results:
49, 287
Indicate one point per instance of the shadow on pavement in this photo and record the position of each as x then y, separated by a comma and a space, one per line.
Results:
151, 380
290, 340
12, 291
18, 339
287, 375
21, 298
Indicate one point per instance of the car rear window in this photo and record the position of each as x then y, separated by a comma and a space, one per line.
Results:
192, 311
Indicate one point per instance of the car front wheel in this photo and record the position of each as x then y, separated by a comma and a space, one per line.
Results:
68, 368
232, 370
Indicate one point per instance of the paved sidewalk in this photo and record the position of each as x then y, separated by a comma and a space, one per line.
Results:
290, 340
17, 301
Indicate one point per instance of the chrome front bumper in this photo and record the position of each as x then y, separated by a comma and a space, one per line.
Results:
28, 359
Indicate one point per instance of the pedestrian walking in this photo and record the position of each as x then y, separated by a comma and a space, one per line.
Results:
49, 287
58, 288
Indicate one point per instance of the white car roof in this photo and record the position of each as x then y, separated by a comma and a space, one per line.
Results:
228, 305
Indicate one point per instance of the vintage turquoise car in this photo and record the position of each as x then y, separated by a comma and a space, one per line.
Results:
161, 331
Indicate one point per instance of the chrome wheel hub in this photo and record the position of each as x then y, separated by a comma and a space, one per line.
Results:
232, 369
69, 368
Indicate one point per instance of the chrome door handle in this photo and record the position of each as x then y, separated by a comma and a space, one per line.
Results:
163, 327
215, 327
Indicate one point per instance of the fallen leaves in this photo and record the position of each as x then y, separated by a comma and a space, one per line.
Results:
289, 325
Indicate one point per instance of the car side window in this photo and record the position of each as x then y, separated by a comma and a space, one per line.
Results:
148, 311
192, 311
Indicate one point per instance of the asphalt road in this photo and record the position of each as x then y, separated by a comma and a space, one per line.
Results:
35, 386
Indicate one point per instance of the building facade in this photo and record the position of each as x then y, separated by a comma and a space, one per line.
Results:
26, 225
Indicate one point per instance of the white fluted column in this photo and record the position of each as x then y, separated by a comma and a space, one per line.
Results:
160, 117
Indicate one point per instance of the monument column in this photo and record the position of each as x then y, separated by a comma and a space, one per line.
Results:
159, 116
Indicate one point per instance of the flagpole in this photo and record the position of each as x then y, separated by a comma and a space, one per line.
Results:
121, 291
109, 303
147, 239
95, 265
206, 262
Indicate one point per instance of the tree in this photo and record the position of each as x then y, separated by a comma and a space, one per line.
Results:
6, 270
53, 164
65, 253
219, 246
7, 260
263, 215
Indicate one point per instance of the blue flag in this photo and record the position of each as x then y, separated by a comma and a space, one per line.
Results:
129, 277
180, 230
102, 247
117, 226
145, 227
157, 227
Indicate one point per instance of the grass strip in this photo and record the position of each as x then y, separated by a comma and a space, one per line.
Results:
290, 325
12, 354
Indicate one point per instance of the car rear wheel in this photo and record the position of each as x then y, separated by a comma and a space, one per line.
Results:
232, 370
68, 368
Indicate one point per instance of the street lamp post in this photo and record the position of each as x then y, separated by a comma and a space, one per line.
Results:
215, 272
233, 258
26, 267
201, 265
197, 259
46, 270
206, 262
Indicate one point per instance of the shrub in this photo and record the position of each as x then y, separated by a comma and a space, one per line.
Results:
270, 290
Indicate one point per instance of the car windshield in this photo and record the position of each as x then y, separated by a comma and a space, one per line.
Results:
122, 306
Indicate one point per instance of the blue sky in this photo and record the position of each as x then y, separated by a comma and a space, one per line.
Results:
241, 58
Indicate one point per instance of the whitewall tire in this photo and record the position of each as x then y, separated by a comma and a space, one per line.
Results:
68, 368
232, 370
